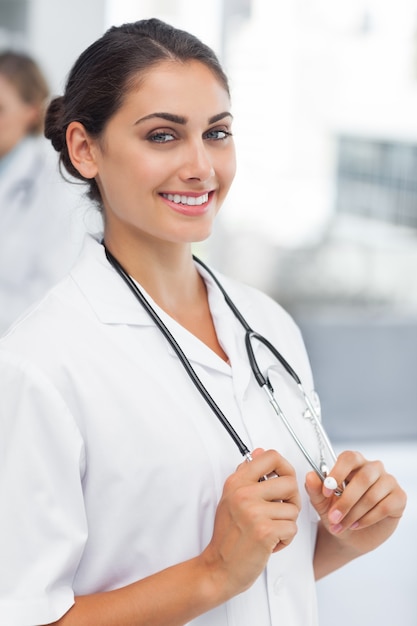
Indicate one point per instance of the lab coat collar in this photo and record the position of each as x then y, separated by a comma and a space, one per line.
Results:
107, 295
113, 303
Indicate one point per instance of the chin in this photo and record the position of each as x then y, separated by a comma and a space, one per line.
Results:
202, 236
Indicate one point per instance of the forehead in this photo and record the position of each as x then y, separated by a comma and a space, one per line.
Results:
174, 85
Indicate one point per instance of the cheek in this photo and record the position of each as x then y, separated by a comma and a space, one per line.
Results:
21, 116
12, 129
146, 171
10, 120
228, 169
125, 174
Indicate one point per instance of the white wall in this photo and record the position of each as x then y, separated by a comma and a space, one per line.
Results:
59, 32
203, 19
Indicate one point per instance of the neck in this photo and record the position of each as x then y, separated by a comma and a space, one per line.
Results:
167, 273
171, 279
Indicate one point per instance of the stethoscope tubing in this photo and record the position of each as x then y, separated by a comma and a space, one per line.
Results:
262, 381
243, 449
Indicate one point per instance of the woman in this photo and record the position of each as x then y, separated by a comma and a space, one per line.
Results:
39, 238
130, 506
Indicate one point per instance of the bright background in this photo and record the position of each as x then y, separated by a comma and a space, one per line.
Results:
323, 214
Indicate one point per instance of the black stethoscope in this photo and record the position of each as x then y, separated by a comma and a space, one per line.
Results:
263, 381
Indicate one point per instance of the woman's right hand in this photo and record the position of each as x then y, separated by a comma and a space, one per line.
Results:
253, 520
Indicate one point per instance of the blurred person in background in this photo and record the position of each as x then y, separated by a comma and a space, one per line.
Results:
39, 235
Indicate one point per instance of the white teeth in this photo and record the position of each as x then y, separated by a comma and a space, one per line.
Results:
187, 200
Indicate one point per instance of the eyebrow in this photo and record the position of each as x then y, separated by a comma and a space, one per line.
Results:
180, 119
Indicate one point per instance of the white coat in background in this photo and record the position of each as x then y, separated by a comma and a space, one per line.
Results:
41, 226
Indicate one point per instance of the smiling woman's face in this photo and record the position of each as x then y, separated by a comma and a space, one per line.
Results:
166, 159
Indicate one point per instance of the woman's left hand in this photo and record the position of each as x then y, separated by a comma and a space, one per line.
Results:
368, 510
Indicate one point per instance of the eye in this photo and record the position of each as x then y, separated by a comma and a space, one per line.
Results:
161, 136
217, 134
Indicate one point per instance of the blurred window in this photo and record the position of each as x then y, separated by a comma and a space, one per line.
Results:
377, 179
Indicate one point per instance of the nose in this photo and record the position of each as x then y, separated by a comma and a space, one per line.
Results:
197, 163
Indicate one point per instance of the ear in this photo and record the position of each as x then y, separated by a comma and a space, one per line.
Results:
82, 150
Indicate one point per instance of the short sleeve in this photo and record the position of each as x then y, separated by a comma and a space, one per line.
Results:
42, 516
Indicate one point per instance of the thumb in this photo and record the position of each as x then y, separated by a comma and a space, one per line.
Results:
314, 489
256, 452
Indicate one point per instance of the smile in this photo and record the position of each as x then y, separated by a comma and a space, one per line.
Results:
187, 200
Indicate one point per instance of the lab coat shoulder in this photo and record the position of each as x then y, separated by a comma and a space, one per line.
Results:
47, 329
61, 320
73, 334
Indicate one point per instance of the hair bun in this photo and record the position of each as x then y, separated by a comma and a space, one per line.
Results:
54, 123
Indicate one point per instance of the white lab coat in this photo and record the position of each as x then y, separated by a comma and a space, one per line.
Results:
41, 226
111, 463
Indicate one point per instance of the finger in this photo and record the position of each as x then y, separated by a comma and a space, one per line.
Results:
391, 506
275, 469
346, 464
285, 531
266, 462
314, 488
377, 502
256, 453
335, 482
372, 493
266, 521
281, 489
357, 496
281, 521
360, 475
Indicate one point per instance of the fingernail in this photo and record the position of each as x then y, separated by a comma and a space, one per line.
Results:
354, 525
336, 528
327, 492
335, 516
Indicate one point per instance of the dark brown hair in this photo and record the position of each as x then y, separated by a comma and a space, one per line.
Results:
108, 69
25, 75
